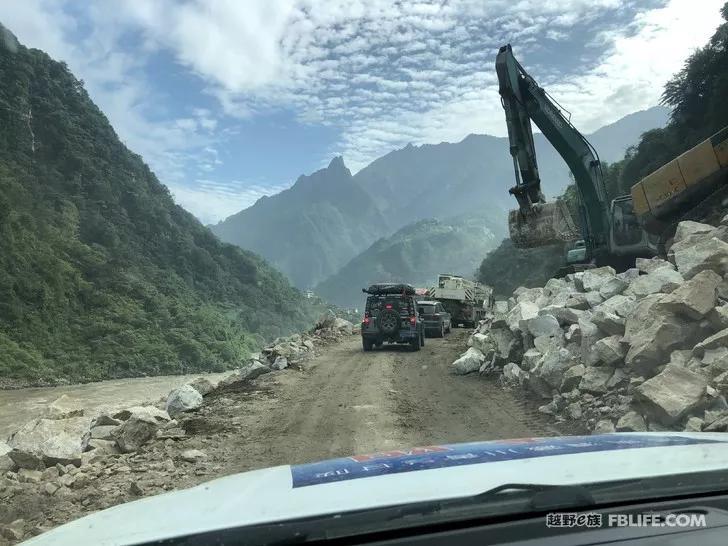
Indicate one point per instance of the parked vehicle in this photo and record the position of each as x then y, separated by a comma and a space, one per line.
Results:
391, 315
436, 319
462, 299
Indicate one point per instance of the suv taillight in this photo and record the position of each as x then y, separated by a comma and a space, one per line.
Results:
365, 321
413, 320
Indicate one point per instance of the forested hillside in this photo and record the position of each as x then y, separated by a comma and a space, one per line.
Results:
101, 274
312, 230
698, 96
416, 254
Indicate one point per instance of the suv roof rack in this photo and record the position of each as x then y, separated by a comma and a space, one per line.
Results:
390, 288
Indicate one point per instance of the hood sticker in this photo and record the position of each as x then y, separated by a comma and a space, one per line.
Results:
430, 457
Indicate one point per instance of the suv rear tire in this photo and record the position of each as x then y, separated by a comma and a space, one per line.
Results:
415, 343
366, 344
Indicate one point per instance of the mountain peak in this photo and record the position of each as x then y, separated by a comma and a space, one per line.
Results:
337, 163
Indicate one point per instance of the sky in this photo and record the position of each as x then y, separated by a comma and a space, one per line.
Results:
230, 100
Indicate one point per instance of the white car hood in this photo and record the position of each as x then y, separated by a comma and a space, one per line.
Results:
397, 477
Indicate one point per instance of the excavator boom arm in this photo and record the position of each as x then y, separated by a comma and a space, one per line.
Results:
538, 223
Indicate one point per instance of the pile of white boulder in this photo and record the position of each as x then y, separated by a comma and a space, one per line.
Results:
645, 349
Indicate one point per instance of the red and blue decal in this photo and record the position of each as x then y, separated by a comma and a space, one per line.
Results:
431, 457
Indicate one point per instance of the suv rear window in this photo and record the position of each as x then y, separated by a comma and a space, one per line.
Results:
427, 309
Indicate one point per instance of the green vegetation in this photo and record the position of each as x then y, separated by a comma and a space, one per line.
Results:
697, 95
507, 267
416, 254
101, 274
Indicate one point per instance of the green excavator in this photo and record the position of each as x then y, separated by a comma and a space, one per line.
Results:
605, 232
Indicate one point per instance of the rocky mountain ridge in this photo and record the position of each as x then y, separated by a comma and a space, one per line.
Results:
314, 228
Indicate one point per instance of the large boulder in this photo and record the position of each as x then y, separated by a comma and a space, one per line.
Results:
527, 295
45, 442
609, 316
595, 379
469, 362
182, 399
247, 373
483, 342
136, 431
652, 264
584, 301
715, 361
719, 339
512, 373
530, 359
6, 463
619, 304
522, 311
64, 407
280, 363
553, 365
343, 326
590, 334
631, 422
688, 228
609, 351
572, 378
537, 385
705, 254
159, 415
671, 394
652, 333
696, 297
325, 321
508, 346
542, 325
203, 385
592, 280
612, 286
545, 344
603, 426
718, 317
564, 315
609, 323
663, 280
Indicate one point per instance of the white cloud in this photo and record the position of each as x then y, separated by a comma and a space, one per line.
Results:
384, 73
389, 74
211, 201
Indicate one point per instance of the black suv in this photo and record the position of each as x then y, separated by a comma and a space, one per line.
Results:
391, 315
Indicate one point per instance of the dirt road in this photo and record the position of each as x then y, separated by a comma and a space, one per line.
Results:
343, 402
348, 401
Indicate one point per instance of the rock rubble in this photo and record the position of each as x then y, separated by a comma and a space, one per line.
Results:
641, 350
78, 459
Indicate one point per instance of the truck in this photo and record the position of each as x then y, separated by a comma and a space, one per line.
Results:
467, 301
606, 232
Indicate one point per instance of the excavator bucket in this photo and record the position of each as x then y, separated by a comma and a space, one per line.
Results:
544, 224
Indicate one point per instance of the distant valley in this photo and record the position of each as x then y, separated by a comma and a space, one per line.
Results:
331, 227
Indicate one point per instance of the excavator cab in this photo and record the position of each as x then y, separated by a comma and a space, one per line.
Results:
627, 237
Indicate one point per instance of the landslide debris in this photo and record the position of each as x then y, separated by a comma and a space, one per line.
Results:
645, 349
